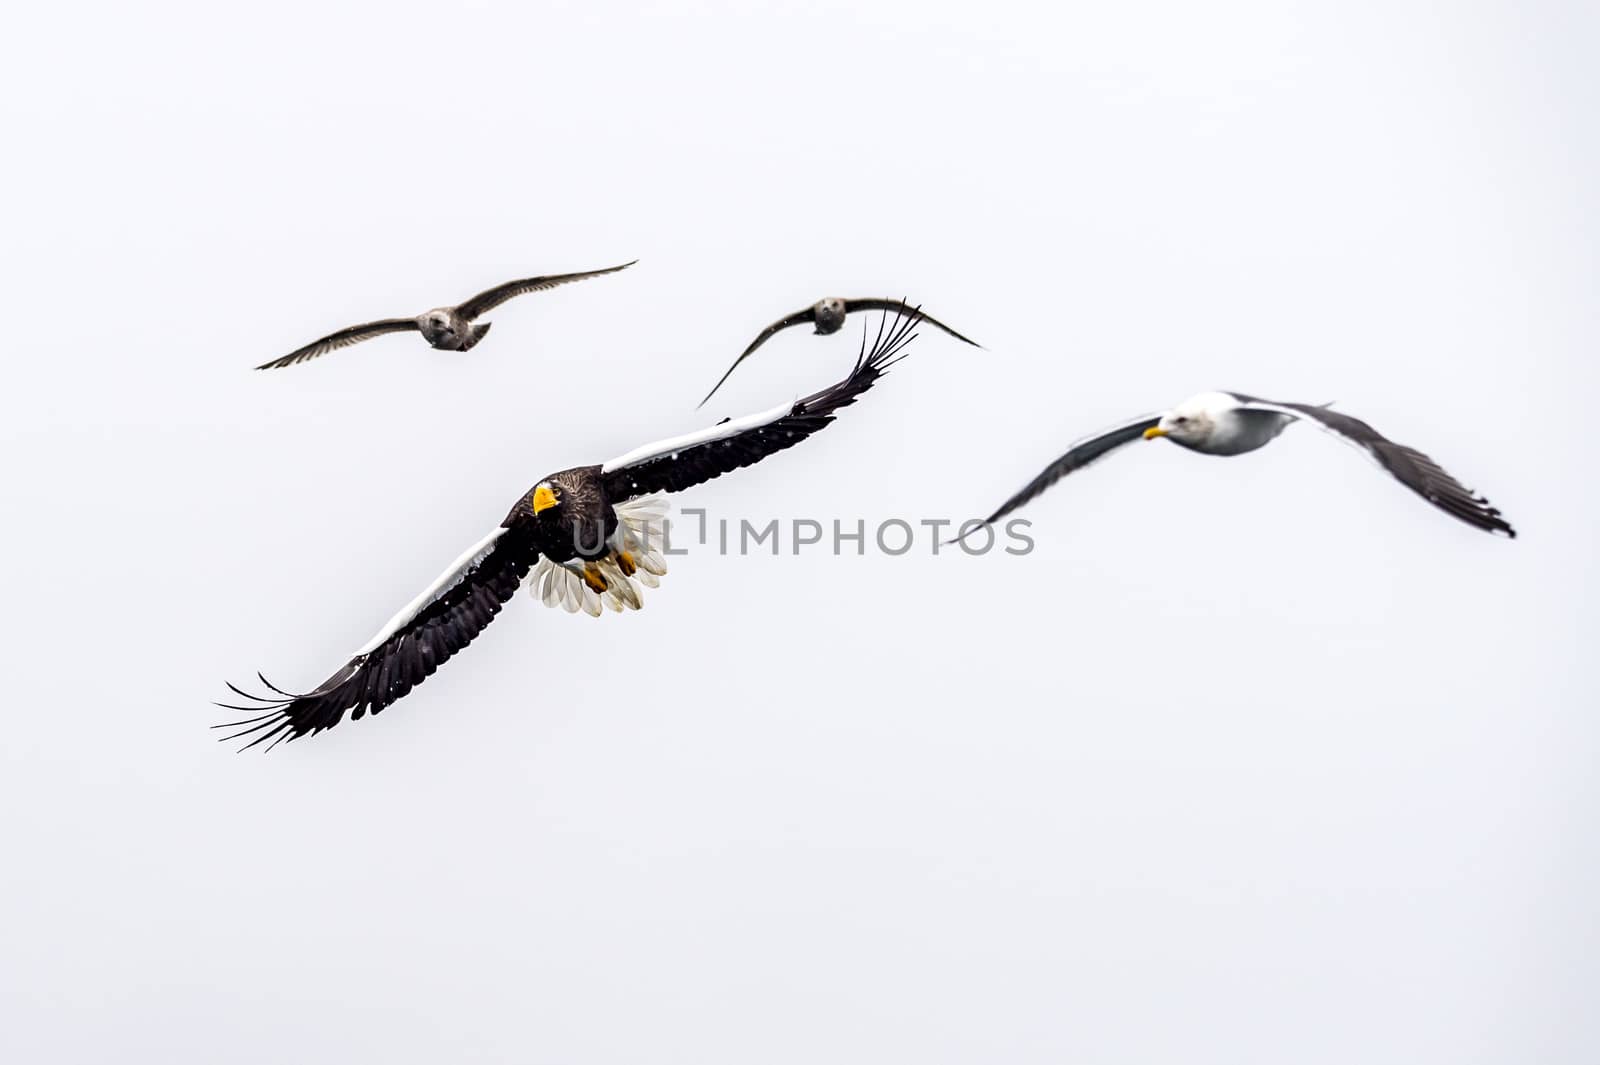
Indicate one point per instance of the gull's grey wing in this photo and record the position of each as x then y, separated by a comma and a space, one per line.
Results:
488, 300
1407, 465
798, 317
1077, 457
343, 339
900, 305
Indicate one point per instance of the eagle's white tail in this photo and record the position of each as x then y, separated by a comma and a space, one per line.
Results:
641, 532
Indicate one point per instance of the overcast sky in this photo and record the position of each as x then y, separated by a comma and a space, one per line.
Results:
1257, 760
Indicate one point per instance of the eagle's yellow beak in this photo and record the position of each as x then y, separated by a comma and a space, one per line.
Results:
1153, 432
543, 499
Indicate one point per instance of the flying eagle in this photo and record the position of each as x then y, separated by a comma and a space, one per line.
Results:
445, 328
579, 538
827, 315
1231, 423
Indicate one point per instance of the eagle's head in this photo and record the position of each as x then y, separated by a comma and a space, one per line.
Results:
546, 496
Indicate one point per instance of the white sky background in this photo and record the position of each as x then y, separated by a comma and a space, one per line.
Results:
1252, 761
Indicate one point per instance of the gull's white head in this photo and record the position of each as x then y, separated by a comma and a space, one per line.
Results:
1195, 419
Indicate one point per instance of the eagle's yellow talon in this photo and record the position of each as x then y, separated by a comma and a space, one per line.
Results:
626, 563
593, 578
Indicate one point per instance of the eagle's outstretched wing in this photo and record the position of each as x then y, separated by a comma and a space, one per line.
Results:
405, 652
677, 463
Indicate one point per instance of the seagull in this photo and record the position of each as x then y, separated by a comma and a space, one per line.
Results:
445, 328
1232, 423
827, 315
578, 539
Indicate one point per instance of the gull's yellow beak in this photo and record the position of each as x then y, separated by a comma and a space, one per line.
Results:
543, 499
1153, 432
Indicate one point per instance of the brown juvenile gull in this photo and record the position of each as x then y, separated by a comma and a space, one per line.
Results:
445, 328
1231, 423
827, 315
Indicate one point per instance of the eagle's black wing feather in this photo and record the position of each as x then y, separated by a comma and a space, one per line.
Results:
372, 681
674, 469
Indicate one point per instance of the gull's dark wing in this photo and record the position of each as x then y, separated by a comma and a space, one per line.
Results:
675, 464
343, 339
900, 306
1077, 457
797, 318
1407, 465
488, 300
424, 635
